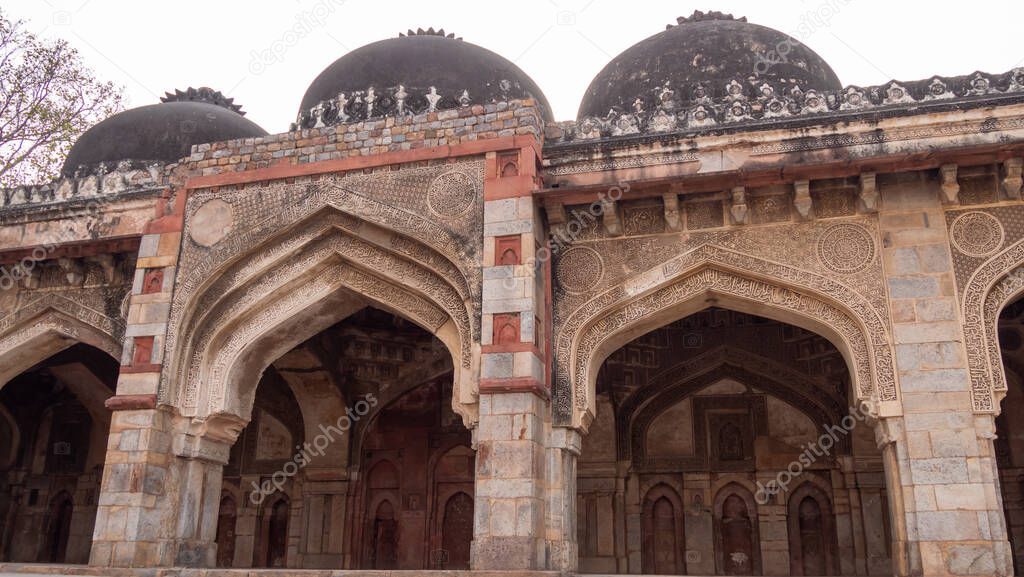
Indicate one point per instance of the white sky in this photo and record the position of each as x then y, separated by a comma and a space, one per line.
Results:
154, 46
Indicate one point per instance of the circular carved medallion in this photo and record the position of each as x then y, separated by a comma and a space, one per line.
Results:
211, 222
451, 194
579, 270
846, 248
976, 234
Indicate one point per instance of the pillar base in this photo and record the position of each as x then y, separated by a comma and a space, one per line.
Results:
505, 554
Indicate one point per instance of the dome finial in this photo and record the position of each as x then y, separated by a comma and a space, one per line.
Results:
700, 16
203, 94
428, 32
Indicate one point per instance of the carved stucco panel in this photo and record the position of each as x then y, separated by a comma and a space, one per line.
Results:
713, 268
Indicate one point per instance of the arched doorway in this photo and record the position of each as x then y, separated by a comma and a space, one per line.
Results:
738, 549
384, 538
663, 533
55, 429
419, 489
708, 411
812, 537
61, 510
226, 519
457, 531
355, 427
1009, 443
273, 550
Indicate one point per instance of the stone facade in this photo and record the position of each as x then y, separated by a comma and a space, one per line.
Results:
465, 337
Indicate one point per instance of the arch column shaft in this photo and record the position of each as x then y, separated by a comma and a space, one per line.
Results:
943, 486
525, 469
159, 496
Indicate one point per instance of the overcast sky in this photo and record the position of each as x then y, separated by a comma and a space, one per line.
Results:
265, 54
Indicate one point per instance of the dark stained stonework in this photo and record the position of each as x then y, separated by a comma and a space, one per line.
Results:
697, 59
411, 74
156, 134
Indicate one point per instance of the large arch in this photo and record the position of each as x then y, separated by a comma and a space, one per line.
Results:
47, 326
710, 275
297, 283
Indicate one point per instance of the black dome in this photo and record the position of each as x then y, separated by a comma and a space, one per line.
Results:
706, 51
418, 61
160, 133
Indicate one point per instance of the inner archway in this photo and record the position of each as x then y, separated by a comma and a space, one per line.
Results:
1009, 443
687, 466
354, 457
54, 433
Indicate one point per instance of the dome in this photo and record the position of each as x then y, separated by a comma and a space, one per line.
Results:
160, 133
698, 58
415, 72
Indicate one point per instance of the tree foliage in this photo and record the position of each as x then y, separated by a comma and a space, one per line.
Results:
48, 97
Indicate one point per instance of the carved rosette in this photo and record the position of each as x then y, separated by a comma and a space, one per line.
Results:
579, 270
977, 234
845, 248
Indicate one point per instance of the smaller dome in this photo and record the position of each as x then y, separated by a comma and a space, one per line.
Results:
159, 133
698, 58
427, 70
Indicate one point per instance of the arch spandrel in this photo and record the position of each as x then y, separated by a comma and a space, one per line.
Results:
989, 268
329, 240
712, 275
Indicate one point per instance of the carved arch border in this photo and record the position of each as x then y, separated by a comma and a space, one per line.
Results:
639, 411
994, 285
300, 268
710, 271
55, 316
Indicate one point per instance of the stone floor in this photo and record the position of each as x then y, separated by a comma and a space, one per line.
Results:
15, 569
21, 569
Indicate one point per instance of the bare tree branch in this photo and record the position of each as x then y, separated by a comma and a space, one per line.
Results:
48, 97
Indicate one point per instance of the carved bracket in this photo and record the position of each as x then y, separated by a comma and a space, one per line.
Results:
739, 205
74, 272
950, 185
868, 195
556, 216
672, 214
611, 216
802, 198
1012, 180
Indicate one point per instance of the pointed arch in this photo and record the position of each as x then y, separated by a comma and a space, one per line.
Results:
715, 276
49, 325
307, 277
799, 533
638, 411
998, 282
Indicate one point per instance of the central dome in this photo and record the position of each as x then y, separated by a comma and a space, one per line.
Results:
458, 71
698, 58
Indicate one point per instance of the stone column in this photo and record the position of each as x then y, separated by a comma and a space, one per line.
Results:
512, 464
160, 493
938, 453
564, 449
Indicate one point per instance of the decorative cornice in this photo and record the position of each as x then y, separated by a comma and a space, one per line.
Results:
749, 101
401, 100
